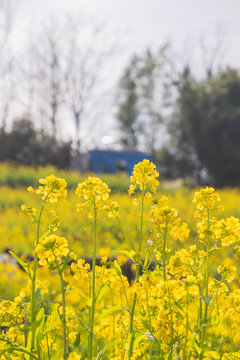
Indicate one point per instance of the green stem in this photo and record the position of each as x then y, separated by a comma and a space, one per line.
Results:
164, 252
34, 279
171, 318
113, 333
206, 278
137, 278
186, 334
92, 310
141, 225
125, 292
64, 323
204, 329
199, 323
148, 310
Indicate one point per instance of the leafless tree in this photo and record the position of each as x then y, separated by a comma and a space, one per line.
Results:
86, 95
212, 50
6, 60
44, 76
64, 77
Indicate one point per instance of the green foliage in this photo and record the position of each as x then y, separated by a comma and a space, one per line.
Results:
140, 101
26, 145
128, 107
206, 129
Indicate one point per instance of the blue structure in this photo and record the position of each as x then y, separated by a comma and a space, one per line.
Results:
111, 161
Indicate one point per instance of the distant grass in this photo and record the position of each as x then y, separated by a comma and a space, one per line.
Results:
19, 176
23, 176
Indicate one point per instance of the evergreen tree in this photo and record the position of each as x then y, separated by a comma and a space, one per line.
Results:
128, 111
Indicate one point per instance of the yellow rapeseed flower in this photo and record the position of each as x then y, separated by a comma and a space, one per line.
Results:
144, 173
112, 209
206, 198
95, 193
53, 189
28, 210
52, 248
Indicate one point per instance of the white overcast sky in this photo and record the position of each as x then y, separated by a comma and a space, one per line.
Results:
137, 24
142, 23
151, 23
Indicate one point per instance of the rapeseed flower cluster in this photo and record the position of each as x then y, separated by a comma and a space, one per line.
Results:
183, 305
94, 192
206, 198
52, 248
165, 219
112, 209
144, 173
52, 189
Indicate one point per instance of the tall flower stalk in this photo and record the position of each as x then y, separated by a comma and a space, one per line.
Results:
167, 222
144, 174
95, 193
208, 229
137, 277
34, 274
92, 295
53, 251
52, 189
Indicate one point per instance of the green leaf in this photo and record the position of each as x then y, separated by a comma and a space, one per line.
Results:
196, 347
214, 248
138, 339
51, 327
38, 298
39, 324
83, 324
38, 295
146, 261
145, 322
55, 315
55, 310
125, 308
23, 264
207, 299
117, 268
101, 291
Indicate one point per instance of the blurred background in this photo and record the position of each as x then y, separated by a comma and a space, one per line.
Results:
99, 85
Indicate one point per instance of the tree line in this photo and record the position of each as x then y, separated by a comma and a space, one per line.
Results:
199, 137
24, 144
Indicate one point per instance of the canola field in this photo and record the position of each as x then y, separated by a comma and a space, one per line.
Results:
184, 248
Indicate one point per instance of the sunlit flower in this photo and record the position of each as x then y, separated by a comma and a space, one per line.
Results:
53, 189
52, 248
144, 173
94, 192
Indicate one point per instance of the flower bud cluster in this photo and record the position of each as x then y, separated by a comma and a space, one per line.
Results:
144, 173
53, 189
52, 248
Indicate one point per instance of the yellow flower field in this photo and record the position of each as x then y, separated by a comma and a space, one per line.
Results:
184, 248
